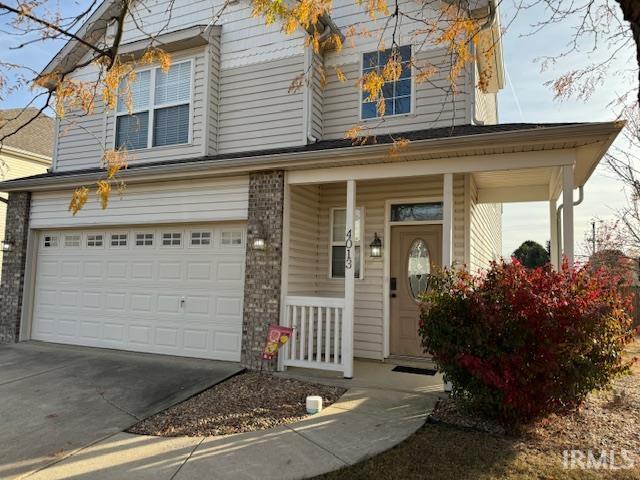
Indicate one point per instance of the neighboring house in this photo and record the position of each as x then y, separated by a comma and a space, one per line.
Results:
27, 152
245, 206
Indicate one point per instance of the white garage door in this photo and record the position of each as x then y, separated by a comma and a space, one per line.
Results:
175, 290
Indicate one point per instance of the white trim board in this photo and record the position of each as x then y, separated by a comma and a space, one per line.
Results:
466, 164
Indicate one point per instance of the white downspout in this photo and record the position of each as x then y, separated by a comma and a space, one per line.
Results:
559, 223
307, 106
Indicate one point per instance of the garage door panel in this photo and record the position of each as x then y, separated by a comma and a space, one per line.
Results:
179, 300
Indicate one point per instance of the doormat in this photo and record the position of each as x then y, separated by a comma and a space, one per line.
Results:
417, 371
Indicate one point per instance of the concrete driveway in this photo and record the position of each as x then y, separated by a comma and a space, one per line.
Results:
55, 399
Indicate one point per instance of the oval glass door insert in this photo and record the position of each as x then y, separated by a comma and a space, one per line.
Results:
418, 268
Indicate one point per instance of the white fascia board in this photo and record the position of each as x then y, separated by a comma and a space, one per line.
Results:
464, 164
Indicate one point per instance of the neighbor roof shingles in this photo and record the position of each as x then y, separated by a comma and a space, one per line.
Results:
35, 136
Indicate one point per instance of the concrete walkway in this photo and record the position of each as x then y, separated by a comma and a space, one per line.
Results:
370, 418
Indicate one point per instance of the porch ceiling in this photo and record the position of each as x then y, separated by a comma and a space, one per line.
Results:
524, 185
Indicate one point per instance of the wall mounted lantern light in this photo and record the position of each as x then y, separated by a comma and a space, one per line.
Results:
259, 241
7, 245
376, 246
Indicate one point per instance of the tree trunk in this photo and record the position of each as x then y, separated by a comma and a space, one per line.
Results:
631, 12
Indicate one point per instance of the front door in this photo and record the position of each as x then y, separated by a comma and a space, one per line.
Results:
415, 251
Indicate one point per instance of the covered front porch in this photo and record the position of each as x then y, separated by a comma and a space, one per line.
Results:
359, 242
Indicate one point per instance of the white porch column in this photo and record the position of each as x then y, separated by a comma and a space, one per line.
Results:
553, 231
349, 281
567, 212
447, 220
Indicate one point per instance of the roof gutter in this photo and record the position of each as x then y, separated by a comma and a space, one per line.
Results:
332, 156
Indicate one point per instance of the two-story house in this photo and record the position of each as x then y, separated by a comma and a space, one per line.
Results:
246, 206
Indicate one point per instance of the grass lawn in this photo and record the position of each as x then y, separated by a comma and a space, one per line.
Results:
609, 420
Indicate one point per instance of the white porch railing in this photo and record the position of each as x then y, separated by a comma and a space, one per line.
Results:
318, 333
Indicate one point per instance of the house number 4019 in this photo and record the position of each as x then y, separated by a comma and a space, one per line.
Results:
348, 262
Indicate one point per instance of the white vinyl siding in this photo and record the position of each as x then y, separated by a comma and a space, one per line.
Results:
256, 109
166, 202
304, 240
485, 231
310, 211
246, 38
241, 80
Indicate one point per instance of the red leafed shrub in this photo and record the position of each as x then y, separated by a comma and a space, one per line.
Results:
518, 344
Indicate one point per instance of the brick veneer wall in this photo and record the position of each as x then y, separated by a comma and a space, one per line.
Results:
13, 264
263, 269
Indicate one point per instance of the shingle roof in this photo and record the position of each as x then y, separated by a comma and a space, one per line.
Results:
327, 145
35, 137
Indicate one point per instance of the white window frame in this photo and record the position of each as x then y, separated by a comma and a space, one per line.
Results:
232, 231
54, 240
153, 240
153, 107
341, 243
64, 240
200, 232
411, 112
126, 239
171, 232
88, 235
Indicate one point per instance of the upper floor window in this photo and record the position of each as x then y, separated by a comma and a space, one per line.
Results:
397, 94
154, 109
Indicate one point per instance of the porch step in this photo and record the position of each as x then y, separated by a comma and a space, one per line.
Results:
406, 361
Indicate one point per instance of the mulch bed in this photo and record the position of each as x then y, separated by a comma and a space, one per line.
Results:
244, 403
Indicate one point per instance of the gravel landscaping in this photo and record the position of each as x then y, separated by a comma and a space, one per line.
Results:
244, 403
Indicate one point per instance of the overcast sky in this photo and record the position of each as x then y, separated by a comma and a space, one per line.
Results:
524, 99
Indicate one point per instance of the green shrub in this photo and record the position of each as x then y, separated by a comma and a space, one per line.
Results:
518, 344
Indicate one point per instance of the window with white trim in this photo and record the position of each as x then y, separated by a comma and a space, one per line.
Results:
338, 249
231, 238
154, 110
71, 241
94, 240
50, 241
171, 239
200, 238
118, 239
397, 94
144, 239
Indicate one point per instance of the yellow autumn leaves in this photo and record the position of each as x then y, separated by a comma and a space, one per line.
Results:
456, 34
115, 83
113, 161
